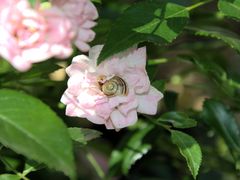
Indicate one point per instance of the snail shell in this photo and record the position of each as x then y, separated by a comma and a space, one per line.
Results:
115, 86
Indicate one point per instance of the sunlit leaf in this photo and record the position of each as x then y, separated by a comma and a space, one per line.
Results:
155, 21
230, 8
190, 150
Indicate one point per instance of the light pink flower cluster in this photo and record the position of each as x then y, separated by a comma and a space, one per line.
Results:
81, 13
30, 35
113, 92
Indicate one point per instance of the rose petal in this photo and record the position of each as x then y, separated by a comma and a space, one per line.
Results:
72, 110
65, 99
137, 58
126, 107
74, 84
117, 100
120, 121
82, 46
109, 124
148, 103
90, 10
85, 35
88, 24
21, 64
138, 80
94, 118
103, 110
79, 65
94, 53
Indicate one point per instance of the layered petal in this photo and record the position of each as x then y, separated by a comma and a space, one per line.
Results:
120, 121
79, 64
94, 54
137, 58
148, 103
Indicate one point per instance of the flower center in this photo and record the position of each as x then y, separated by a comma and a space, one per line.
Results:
114, 86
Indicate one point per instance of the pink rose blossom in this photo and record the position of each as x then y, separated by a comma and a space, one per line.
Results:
82, 13
30, 35
87, 95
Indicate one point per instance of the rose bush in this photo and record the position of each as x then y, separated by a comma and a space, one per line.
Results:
198, 118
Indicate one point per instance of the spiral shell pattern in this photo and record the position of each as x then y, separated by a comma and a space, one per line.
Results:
115, 86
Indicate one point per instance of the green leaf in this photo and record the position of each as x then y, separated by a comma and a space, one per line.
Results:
232, 39
159, 85
220, 77
97, 1
217, 116
133, 149
154, 62
190, 150
4, 66
9, 177
9, 162
33, 2
177, 120
82, 135
230, 8
31, 128
155, 21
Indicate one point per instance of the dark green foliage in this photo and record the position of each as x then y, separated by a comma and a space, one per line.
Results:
217, 116
155, 21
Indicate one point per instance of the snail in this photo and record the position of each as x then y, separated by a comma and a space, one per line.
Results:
115, 86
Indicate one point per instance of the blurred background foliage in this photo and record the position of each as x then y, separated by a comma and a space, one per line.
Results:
199, 75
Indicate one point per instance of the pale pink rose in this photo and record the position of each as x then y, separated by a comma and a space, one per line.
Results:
82, 14
32, 35
87, 95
